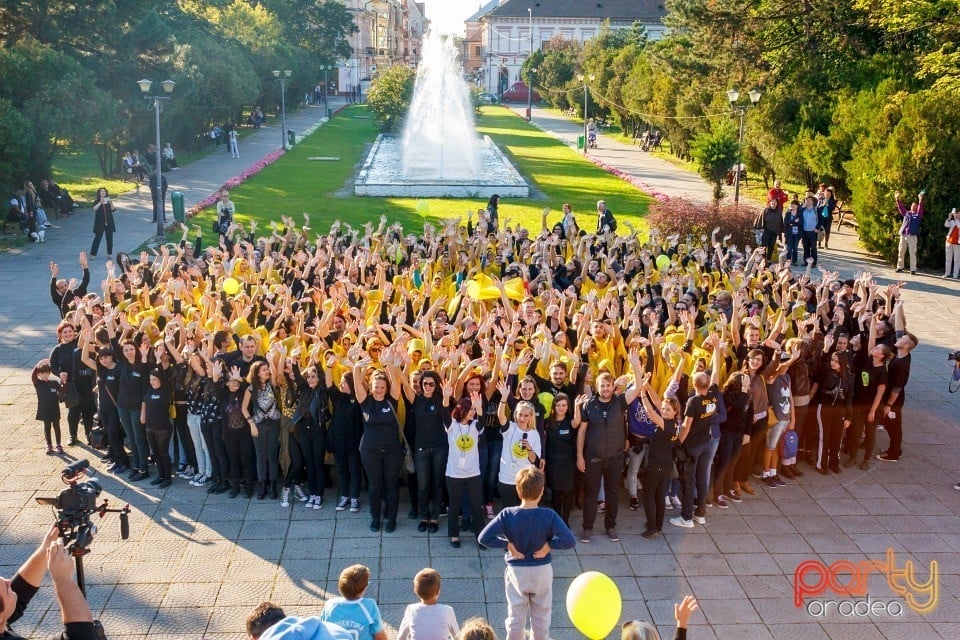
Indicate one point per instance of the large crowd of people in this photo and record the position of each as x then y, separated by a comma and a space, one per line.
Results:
449, 360
456, 360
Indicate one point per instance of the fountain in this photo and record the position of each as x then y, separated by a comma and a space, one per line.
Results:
439, 153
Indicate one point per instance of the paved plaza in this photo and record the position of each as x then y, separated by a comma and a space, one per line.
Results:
195, 564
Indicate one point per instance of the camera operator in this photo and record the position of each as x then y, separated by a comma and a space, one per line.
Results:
16, 593
225, 211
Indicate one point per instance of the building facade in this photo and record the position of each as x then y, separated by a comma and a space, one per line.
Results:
388, 32
509, 31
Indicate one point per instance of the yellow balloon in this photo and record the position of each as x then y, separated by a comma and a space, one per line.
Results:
231, 286
663, 261
423, 207
594, 604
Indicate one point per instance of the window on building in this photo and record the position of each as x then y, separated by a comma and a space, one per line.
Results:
523, 37
478, 51
586, 34
567, 33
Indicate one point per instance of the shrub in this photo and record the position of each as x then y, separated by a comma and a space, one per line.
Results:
686, 218
390, 95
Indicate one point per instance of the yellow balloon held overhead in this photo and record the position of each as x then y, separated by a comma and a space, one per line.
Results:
423, 207
663, 261
231, 286
594, 604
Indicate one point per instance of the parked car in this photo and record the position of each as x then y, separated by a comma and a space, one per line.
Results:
487, 98
518, 93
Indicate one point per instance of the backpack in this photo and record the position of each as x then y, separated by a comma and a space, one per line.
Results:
789, 444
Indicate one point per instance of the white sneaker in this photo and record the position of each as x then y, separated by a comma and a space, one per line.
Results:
676, 501
298, 492
285, 497
699, 519
309, 503
188, 473
678, 521
198, 480
666, 503
343, 503
318, 503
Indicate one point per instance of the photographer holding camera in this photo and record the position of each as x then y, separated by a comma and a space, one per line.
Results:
16, 593
225, 211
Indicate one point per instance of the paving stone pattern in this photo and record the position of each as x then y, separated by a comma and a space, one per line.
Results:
195, 565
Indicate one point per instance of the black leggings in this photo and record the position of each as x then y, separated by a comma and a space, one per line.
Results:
182, 442
655, 480
430, 464
348, 472
295, 469
85, 410
267, 445
473, 488
110, 420
51, 425
159, 441
213, 435
239, 447
314, 445
562, 503
383, 473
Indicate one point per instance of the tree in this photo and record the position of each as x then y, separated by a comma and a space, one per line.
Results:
16, 139
715, 152
390, 95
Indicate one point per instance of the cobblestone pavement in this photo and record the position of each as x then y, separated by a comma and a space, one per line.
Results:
195, 565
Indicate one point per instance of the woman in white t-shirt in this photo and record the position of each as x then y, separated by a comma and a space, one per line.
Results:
463, 463
521, 445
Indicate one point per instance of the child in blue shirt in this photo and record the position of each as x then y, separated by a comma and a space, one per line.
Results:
353, 612
528, 533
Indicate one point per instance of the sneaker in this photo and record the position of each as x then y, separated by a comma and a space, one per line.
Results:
634, 504
601, 506
957, 486
734, 496
865, 465
885, 457
769, 482
298, 492
666, 503
679, 521
188, 473
198, 480
181, 467
59, 448
285, 497
585, 535
354, 505
721, 502
676, 501
318, 503
700, 516
488, 508
779, 481
50, 450
342, 503
650, 533
612, 535
119, 469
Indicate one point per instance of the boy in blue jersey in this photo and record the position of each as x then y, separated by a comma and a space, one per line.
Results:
528, 533
352, 611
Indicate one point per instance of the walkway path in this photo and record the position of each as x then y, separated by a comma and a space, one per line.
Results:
195, 565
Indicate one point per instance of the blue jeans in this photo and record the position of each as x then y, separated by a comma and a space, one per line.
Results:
711, 456
695, 478
136, 434
490, 467
793, 241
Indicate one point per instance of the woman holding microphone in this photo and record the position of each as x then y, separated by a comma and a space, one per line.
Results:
103, 222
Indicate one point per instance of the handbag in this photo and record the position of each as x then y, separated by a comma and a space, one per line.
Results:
97, 438
772, 418
70, 395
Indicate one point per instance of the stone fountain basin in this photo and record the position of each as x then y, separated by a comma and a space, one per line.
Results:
382, 175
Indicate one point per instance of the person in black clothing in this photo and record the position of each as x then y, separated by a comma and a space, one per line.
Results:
48, 389
108, 389
835, 397
17, 592
155, 415
343, 436
733, 432
868, 392
605, 220
659, 455
64, 292
493, 206
899, 375
104, 222
601, 442
772, 229
62, 366
380, 449
559, 458
307, 441
431, 412
227, 409
261, 410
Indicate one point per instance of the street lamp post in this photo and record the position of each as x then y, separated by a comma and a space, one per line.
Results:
586, 93
733, 95
283, 105
530, 68
326, 88
158, 204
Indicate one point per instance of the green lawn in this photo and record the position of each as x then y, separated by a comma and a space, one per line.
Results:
294, 185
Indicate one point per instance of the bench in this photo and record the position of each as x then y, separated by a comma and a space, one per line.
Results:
846, 214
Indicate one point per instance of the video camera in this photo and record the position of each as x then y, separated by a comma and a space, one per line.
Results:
76, 504
953, 356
